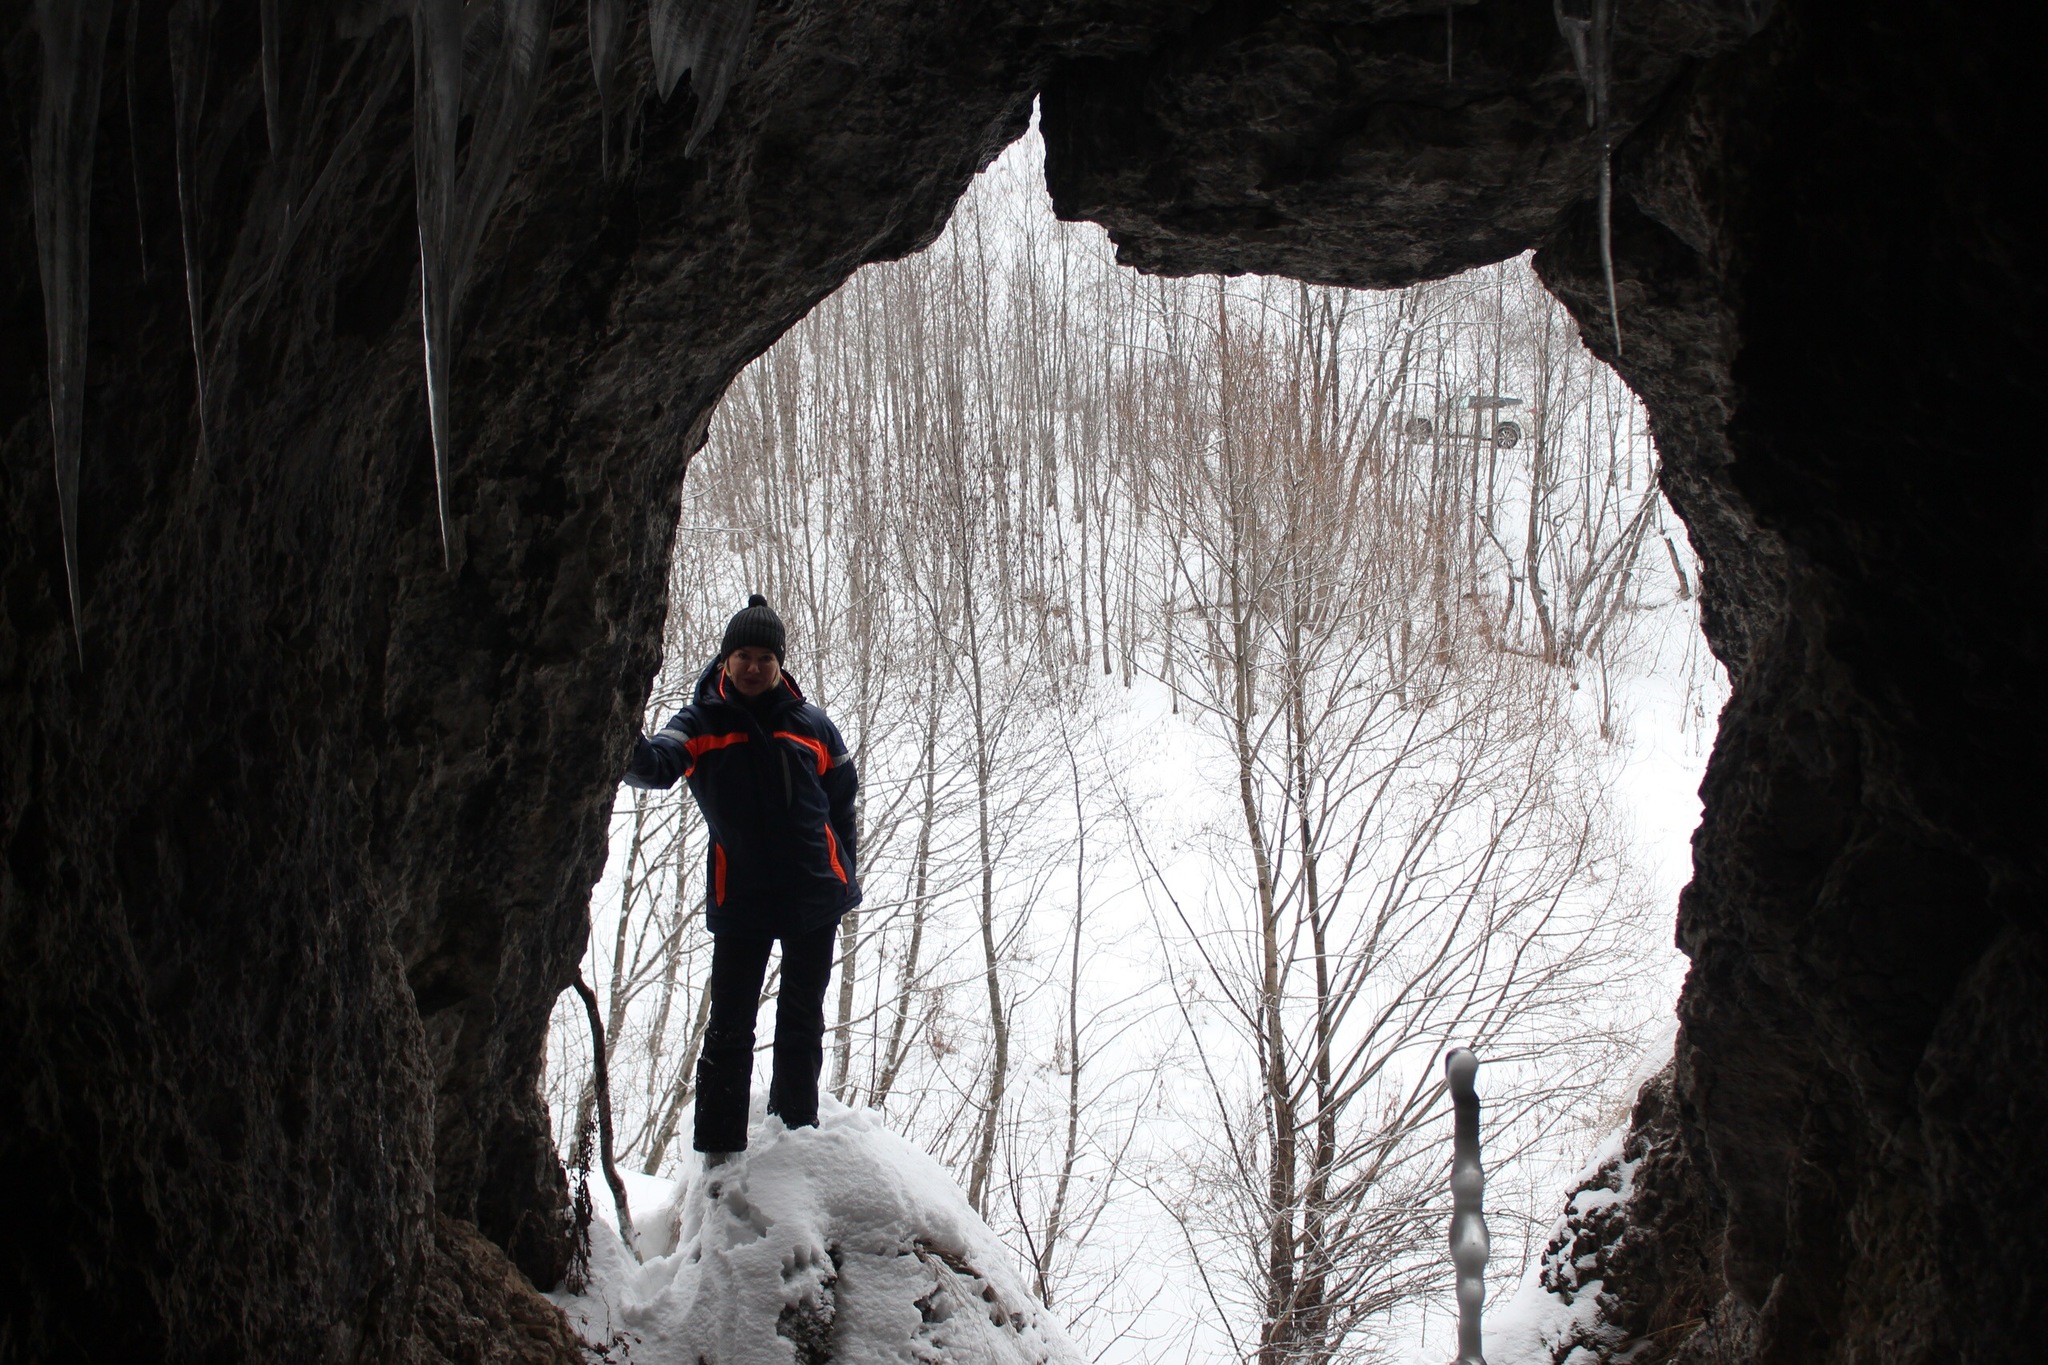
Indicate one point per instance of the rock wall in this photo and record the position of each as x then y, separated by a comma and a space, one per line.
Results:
299, 836
1632, 1273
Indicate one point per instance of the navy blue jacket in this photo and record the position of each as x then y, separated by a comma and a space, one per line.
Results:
776, 785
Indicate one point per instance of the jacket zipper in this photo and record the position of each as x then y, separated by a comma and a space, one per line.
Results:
788, 788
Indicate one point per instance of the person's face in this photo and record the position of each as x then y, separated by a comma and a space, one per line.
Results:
753, 670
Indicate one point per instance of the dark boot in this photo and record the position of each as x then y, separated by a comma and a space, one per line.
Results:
725, 1074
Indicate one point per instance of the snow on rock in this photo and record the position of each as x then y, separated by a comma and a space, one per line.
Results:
1629, 1274
840, 1243
1557, 1311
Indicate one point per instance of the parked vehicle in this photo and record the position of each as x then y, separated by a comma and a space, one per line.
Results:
1480, 418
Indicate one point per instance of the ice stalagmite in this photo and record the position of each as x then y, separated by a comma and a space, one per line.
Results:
607, 27
707, 38
507, 53
1468, 1189
190, 33
74, 41
1591, 38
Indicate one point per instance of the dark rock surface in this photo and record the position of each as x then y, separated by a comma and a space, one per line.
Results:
475, 1308
298, 859
1639, 1237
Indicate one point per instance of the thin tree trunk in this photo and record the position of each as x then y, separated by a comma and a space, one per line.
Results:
849, 940
1280, 1250
999, 1024
602, 1071
1312, 1309
1055, 1216
921, 887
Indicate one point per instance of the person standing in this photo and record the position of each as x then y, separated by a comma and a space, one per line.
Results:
776, 785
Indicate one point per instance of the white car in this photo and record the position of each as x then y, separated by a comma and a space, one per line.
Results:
1480, 418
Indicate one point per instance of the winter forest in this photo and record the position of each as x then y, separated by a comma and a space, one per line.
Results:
1257, 689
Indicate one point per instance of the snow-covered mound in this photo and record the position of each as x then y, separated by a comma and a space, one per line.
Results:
1558, 1310
839, 1243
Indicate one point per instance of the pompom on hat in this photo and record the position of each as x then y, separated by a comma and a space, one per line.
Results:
754, 625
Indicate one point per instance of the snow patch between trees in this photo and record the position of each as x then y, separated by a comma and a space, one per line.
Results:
839, 1243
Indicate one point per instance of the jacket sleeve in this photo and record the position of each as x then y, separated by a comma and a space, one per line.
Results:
659, 759
841, 783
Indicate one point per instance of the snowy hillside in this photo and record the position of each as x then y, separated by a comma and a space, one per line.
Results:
841, 1242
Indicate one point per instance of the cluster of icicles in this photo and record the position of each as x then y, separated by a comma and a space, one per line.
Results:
483, 57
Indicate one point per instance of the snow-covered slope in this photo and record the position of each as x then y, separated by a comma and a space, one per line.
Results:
840, 1243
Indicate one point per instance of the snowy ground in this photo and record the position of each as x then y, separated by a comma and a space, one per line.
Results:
843, 1234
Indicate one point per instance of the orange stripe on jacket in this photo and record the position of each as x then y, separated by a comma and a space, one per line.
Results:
817, 749
832, 851
701, 745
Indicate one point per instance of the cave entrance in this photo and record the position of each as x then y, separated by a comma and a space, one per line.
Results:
1228, 660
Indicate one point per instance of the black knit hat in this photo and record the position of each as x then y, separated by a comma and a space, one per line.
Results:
756, 625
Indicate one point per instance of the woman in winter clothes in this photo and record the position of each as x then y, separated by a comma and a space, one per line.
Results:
776, 785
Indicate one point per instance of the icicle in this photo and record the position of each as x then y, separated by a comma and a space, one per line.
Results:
1607, 240
190, 34
1468, 1202
607, 21
1450, 51
707, 38
437, 112
1591, 40
273, 111
666, 34
513, 46
74, 37
509, 51
129, 45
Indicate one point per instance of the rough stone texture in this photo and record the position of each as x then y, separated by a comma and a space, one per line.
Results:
297, 861
475, 1308
1638, 1235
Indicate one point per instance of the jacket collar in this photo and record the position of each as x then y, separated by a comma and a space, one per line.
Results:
713, 688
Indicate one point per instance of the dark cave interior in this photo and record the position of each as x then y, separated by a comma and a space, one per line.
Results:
299, 831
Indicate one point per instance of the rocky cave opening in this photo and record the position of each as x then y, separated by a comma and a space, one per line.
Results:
313, 704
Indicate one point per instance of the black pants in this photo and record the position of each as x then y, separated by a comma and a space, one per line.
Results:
725, 1069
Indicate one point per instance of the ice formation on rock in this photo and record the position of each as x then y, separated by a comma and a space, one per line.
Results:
271, 24
706, 38
1591, 40
130, 43
496, 80
74, 41
607, 28
190, 23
